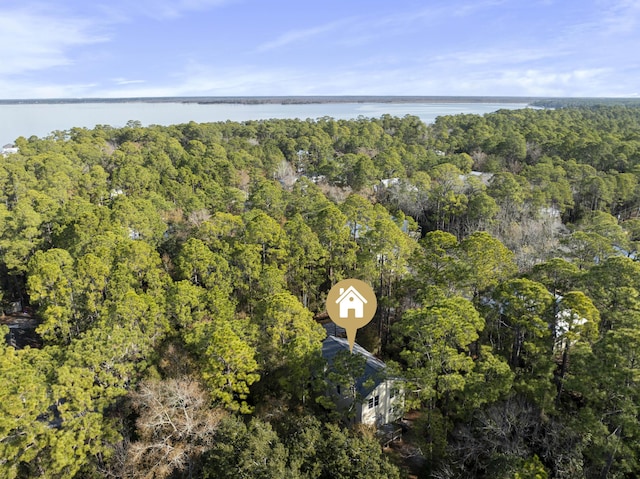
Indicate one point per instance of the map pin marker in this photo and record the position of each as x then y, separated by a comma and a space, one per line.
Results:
351, 304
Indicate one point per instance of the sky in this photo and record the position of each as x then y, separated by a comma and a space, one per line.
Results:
155, 48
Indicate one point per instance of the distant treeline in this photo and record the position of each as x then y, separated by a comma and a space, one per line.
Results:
282, 100
583, 102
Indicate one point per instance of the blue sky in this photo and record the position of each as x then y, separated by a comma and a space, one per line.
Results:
131, 48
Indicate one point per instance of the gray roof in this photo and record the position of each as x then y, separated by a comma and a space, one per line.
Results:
333, 329
374, 368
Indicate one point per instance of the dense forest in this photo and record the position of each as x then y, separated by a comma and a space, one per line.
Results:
176, 278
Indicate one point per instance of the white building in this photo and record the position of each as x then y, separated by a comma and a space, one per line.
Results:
9, 149
378, 399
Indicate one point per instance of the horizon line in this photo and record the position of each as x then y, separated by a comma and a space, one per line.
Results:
301, 99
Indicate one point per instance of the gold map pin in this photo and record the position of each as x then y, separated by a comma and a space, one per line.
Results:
351, 304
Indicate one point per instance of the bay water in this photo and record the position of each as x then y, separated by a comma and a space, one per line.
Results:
41, 119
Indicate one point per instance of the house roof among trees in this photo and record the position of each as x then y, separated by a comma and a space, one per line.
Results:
374, 369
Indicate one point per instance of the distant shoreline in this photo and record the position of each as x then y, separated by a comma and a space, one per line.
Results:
282, 100
41, 117
539, 102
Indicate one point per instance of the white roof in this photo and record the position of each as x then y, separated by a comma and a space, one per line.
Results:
348, 291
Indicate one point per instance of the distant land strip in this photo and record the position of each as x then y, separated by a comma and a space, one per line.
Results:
283, 100
545, 102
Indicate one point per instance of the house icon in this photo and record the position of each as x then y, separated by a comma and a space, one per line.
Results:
346, 302
351, 300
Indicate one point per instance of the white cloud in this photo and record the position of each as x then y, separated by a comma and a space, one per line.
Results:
571, 61
296, 36
604, 21
501, 56
29, 90
369, 27
473, 7
359, 30
124, 81
36, 39
388, 77
620, 16
547, 82
202, 80
168, 9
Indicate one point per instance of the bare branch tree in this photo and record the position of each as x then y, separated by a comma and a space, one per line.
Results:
176, 425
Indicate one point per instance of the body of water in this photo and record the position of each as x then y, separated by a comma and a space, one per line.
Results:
41, 119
